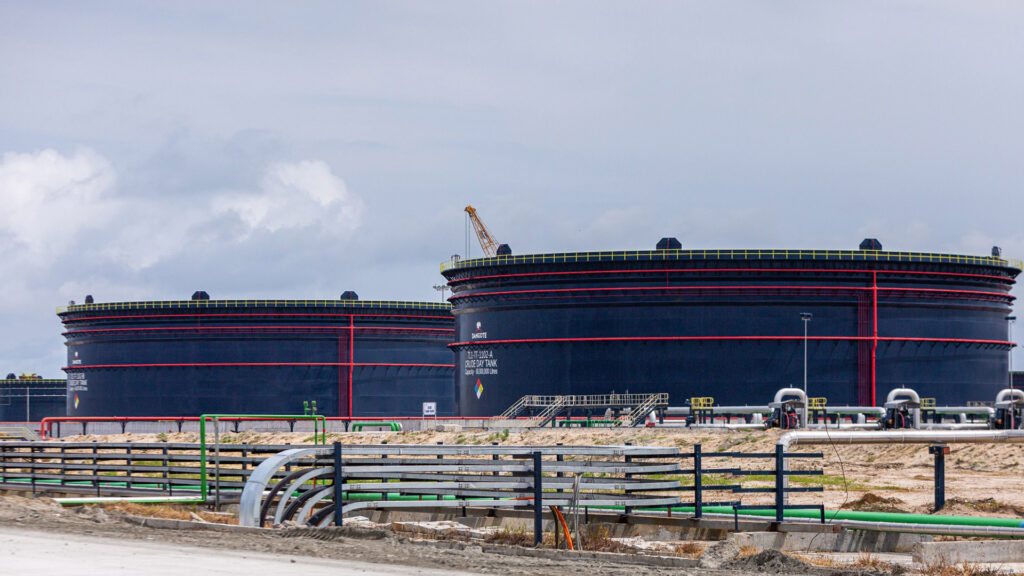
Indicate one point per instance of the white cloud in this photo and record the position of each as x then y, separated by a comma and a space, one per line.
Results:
302, 195
67, 228
48, 198
296, 195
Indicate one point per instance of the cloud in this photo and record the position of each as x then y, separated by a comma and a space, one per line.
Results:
69, 226
295, 195
49, 198
291, 196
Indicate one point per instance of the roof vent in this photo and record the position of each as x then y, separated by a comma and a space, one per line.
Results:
349, 295
11, 376
200, 295
88, 299
870, 244
997, 252
668, 244
504, 250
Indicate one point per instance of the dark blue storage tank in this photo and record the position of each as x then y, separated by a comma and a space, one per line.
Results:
31, 398
353, 357
727, 324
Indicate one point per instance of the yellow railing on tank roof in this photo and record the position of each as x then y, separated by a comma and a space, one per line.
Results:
167, 304
654, 255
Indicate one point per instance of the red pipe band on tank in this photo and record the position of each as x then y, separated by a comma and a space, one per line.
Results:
717, 270
271, 364
695, 338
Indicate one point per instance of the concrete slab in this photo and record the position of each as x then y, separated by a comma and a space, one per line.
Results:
1000, 551
843, 541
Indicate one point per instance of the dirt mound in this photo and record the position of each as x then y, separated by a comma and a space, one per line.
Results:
874, 503
771, 562
719, 553
965, 507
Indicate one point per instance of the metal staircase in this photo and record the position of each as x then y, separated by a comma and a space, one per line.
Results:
552, 411
548, 407
18, 433
639, 414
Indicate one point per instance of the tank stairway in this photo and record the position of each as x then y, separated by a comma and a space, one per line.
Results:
18, 433
548, 407
552, 411
639, 414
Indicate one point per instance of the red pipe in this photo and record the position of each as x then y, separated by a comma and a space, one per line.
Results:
715, 270
167, 328
673, 338
351, 359
46, 424
734, 288
874, 343
272, 364
218, 315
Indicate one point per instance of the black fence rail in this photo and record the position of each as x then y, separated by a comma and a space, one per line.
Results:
128, 469
630, 478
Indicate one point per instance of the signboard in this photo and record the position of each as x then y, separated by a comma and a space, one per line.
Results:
430, 409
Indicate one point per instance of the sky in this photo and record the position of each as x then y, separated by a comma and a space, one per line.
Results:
297, 150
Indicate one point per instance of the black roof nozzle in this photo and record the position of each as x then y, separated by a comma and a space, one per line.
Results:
349, 295
870, 244
668, 244
88, 299
504, 250
12, 376
997, 252
200, 295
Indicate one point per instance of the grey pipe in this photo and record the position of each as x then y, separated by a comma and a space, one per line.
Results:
783, 392
790, 439
1006, 393
915, 411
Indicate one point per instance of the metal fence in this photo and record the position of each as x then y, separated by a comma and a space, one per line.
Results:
283, 483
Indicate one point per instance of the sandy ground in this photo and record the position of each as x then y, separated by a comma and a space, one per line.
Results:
24, 520
981, 480
28, 551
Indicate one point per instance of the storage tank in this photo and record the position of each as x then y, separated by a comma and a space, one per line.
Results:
168, 358
30, 398
730, 324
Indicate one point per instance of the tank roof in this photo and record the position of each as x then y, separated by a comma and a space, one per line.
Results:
735, 255
229, 304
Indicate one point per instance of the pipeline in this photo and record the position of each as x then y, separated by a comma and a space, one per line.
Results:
790, 439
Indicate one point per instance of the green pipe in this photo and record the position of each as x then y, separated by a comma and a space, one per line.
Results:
896, 517
316, 418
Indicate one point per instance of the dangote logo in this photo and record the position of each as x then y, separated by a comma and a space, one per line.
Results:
76, 359
478, 334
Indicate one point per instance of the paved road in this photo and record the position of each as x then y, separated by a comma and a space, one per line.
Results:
26, 552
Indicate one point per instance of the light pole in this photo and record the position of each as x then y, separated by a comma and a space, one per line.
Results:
806, 317
441, 288
1009, 330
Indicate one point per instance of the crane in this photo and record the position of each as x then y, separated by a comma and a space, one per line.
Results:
487, 242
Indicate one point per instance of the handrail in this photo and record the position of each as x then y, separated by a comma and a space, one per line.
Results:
165, 304
658, 255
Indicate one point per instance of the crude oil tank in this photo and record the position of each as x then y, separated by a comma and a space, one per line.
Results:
730, 324
30, 398
169, 358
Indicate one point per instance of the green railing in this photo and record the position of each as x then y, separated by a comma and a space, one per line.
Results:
663, 255
213, 304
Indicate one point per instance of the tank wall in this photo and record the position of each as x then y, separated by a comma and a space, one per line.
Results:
734, 332
180, 362
31, 400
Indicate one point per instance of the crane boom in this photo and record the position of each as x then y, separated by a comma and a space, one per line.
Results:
487, 242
